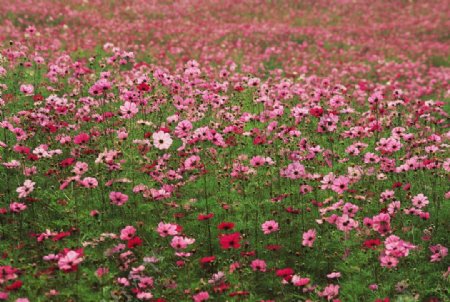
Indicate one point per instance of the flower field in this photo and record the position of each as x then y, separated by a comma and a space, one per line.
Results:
210, 150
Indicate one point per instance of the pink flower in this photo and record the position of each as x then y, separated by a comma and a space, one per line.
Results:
89, 182
27, 89
257, 161
192, 162
382, 223
26, 189
201, 296
269, 226
420, 201
330, 292
345, 223
167, 229
70, 261
162, 140
81, 138
179, 242
128, 110
123, 281
388, 261
127, 233
80, 168
439, 252
327, 181
118, 198
101, 271
294, 171
144, 295
183, 128
259, 265
340, 184
17, 207
309, 237
334, 275
298, 281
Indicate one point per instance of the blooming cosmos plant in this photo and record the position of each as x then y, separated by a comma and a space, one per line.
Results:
224, 150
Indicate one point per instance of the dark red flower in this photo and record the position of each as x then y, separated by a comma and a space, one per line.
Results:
273, 247
372, 243
226, 226
205, 216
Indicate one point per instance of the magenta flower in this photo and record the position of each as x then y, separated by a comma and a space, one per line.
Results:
118, 198
81, 138
340, 184
309, 237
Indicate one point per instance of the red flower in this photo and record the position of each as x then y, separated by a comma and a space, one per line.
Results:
239, 293
316, 111
273, 247
60, 236
133, 242
248, 254
284, 272
205, 216
259, 140
397, 185
207, 259
372, 243
81, 138
223, 287
14, 286
38, 98
226, 226
230, 241
143, 87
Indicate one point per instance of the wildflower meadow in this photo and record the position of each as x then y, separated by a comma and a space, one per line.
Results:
209, 150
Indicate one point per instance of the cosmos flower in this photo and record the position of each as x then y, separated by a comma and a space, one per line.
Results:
162, 140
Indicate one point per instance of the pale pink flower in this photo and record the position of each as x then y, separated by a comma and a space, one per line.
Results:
162, 140
26, 189
128, 110
69, 261
167, 229
27, 89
